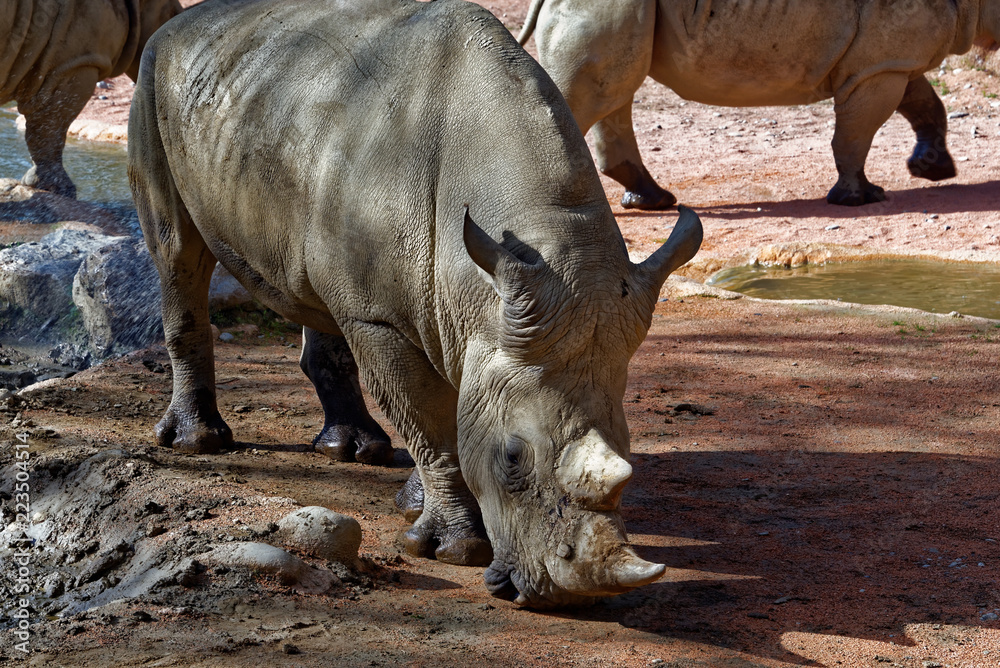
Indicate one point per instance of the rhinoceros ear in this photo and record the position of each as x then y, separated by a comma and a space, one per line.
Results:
680, 247
489, 255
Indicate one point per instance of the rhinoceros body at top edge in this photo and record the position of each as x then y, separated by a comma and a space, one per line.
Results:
497, 341
53, 53
868, 55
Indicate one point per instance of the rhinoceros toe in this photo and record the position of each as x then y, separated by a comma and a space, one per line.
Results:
922, 166
198, 437
54, 180
463, 546
410, 498
348, 443
652, 200
869, 193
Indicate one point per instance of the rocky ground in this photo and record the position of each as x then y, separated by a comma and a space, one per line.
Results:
820, 479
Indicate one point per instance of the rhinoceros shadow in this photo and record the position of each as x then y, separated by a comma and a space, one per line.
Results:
938, 198
762, 547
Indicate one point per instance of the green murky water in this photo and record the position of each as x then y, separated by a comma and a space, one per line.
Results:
938, 287
97, 169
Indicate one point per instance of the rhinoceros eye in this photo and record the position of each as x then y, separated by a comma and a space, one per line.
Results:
517, 461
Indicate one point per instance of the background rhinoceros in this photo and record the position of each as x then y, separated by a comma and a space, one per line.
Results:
53, 53
868, 55
499, 349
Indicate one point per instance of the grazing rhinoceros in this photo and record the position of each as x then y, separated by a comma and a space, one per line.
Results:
868, 55
53, 53
498, 348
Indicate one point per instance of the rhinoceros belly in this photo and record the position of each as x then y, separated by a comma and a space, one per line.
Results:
761, 52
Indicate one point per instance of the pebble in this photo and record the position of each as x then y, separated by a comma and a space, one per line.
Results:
957, 114
226, 336
832, 227
989, 617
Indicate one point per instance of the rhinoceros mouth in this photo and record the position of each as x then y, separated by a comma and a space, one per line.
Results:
503, 580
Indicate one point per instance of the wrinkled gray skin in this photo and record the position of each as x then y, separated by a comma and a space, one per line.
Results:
868, 55
498, 347
53, 53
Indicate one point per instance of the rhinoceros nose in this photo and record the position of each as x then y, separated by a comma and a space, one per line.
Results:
592, 473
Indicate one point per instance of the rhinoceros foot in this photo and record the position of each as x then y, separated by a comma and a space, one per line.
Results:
653, 199
410, 498
433, 539
193, 436
54, 179
931, 164
868, 193
348, 443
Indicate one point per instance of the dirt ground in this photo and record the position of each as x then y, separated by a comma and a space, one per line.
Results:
820, 479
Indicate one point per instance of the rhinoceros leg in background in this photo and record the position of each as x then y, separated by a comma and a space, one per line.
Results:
47, 117
349, 431
859, 116
617, 154
424, 408
924, 110
598, 55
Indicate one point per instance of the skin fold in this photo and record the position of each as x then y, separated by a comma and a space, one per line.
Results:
422, 201
868, 55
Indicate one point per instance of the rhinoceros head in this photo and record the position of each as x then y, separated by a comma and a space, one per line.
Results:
547, 454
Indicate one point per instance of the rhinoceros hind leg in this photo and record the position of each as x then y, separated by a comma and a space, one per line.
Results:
618, 157
424, 408
349, 432
922, 107
859, 116
47, 118
410, 498
192, 422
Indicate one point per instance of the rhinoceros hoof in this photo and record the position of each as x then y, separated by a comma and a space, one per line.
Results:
197, 438
410, 498
939, 170
60, 184
869, 194
649, 201
460, 547
346, 443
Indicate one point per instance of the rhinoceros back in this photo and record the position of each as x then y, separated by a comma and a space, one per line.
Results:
763, 52
324, 150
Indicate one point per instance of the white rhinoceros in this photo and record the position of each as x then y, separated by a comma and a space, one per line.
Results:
344, 198
868, 55
53, 53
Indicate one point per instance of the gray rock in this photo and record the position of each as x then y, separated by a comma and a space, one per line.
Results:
322, 533
117, 291
269, 560
225, 291
37, 277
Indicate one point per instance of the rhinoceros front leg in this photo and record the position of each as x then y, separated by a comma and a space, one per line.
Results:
423, 407
922, 107
617, 154
349, 431
47, 118
859, 116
